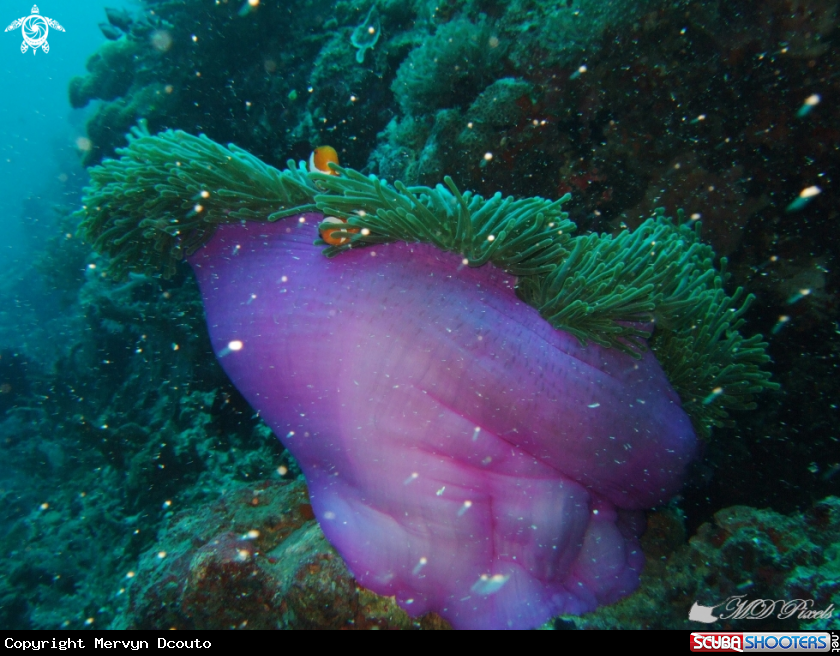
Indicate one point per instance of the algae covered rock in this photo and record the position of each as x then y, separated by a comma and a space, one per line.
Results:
254, 559
449, 68
110, 73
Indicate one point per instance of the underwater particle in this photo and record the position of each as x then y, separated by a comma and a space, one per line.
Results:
798, 296
716, 392
810, 102
161, 40
487, 585
783, 319
805, 197
161, 554
580, 71
248, 6
233, 346
366, 35
84, 144
129, 574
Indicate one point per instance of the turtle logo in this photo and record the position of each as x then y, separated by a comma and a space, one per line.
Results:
35, 29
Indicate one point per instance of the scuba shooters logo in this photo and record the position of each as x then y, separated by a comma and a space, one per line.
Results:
794, 641
35, 29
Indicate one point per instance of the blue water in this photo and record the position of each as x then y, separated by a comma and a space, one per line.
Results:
38, 129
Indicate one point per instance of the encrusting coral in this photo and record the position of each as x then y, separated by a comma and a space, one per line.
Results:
655, 286
449, 68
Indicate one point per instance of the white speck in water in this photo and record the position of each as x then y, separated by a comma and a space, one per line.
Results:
487, 585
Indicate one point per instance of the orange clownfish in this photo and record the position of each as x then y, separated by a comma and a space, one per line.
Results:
320, 158
327, 233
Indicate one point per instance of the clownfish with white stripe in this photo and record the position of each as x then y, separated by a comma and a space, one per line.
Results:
320, 159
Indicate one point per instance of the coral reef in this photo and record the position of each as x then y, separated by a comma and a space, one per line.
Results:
614, 97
